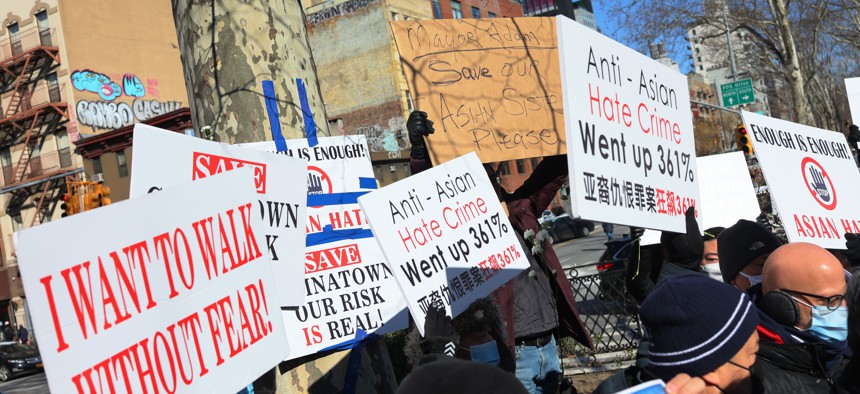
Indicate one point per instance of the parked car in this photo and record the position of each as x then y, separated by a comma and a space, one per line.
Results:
17, 358
565, 227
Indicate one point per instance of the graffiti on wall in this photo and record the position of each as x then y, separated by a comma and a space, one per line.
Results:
110, 113
107, 115
337, 10
391, 139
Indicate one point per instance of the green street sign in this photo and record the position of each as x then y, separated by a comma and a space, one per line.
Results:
737, 93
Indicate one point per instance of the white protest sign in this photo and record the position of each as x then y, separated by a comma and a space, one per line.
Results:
852, 88
348, 287
812, 178
630, 144
445, 235
727, 193
169, 292
162, 159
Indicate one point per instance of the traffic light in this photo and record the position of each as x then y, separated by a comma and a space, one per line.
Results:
102, 192
70, 204
91, 201
742, 139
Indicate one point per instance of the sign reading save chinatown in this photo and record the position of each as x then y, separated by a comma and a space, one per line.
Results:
630, 143
812, 177
348, 288
163, 159
169, 292
445, 236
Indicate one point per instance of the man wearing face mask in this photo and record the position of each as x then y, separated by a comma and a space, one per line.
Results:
742, 250
710, 258
803, 291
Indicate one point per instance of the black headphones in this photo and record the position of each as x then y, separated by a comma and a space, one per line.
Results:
780, 306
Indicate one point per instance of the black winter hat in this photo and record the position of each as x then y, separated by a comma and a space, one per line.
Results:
712, 233
696, 325
742, 243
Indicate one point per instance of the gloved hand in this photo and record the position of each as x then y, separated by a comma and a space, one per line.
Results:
852, 243
419, 127
636, 233
439, 334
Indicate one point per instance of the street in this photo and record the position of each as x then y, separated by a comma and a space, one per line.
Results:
26, 384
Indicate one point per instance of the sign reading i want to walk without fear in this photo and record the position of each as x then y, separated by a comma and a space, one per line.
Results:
163, 159
630, 143
170, 292
812, 179
445, 235
737, 93
491, 85
348, 288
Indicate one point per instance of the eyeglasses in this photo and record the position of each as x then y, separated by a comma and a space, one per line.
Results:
832, 303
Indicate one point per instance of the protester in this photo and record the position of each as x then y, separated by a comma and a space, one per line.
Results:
683, 255
701, 328
538, 304
609, 230
849, 382
710, 257
853, 136
23, 335
804, 328
742, 250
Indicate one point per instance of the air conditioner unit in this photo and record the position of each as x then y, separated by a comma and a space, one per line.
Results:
98, 177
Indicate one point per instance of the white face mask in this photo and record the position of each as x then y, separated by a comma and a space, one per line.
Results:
754, 279
713, 270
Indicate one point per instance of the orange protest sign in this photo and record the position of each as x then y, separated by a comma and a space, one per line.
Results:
491, 86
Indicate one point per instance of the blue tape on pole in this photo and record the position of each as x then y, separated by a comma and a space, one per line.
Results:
272, 110
328, 235
367, 183
307, 116
319, 200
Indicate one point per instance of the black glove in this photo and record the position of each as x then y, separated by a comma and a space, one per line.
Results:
852, 243
439, 334
636, 233
419, 127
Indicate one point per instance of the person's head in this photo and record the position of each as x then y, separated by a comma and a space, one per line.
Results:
482, 337
742, 250
710, 258
703, 328
804, 286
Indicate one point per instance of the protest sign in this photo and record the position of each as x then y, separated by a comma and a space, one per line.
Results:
348, 287
727, 193
852, 88
812, 178
164, 293
162, 159
445, 236
630, 143
491, 85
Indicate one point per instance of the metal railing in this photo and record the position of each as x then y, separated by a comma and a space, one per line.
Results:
38, 165
45, 92
607, 312
27, 40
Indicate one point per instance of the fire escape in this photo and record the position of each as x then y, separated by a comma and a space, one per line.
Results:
33, 110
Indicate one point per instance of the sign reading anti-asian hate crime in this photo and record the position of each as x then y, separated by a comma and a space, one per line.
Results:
490, 85
169, 292
812, 178
163, 159
630, 143
445, 235
347, 285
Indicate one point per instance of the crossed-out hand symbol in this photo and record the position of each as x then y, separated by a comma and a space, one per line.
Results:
314, 184
818, 184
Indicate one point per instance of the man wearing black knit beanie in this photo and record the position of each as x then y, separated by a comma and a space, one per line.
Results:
743, 249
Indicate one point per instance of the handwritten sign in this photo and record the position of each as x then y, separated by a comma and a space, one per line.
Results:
146, 296
347, 286
491, 85
631, 149
163, 159
445, 235
812, 178
852, 88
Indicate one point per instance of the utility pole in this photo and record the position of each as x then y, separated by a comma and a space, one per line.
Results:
729, 41
228, 48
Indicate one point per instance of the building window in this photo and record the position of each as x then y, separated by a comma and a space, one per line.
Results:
456, 10
700, 68
504, 169
123, 166
491, 15
14, 38
534, 163
17, 222
697, 49
97, 165
65, 153
437, 10
699, 58
53, 88
521, 166
409, 104
393, 170
44, 28
394, 16
476, 12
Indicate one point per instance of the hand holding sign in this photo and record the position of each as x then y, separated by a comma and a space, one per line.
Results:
419, 127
